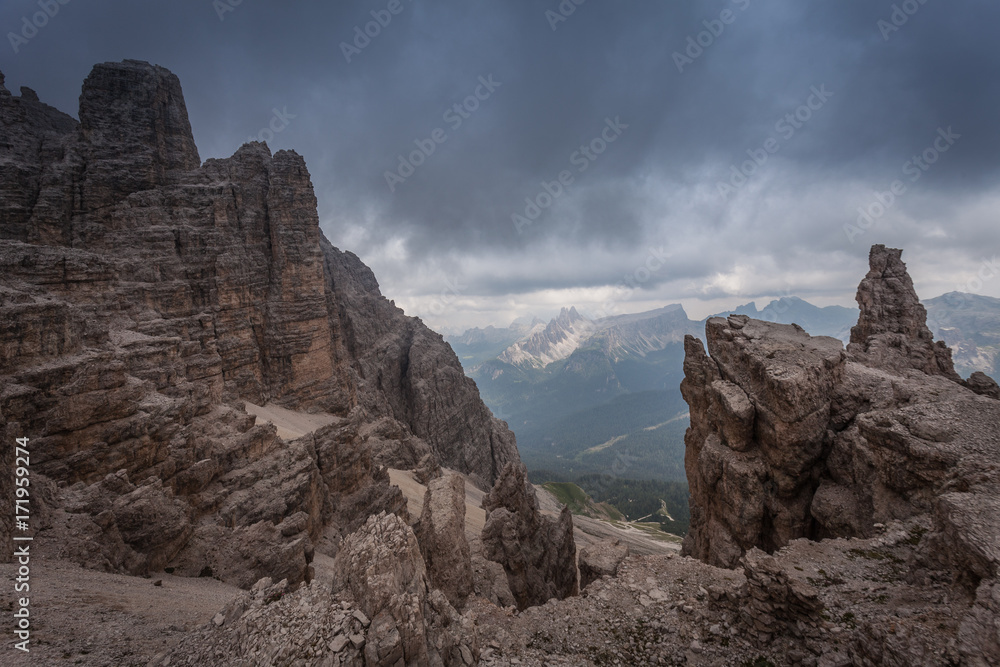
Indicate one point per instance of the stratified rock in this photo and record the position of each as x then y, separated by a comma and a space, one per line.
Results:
441, 533
407, 371
760, 406
380, 566
144, 295
601, 559
791, 437
136, 131
538, 553
776, 603
892, 331
153, 523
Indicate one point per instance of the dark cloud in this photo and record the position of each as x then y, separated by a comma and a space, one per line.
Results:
655, 186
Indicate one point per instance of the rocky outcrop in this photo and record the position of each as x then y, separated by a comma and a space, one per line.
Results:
538, 553
760, 406
892, 331
793, 437
984, 385
406, 371
381, 568
775, 602
489, 578
144, 295
135, 130
601, 560
441, 533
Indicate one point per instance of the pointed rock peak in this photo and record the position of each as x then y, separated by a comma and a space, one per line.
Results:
3, 91
569, 315
892, 329
132, 105
253, 148
28, 94
888, 302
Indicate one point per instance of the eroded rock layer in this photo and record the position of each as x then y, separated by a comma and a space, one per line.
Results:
537, 553
792, 437
144, 295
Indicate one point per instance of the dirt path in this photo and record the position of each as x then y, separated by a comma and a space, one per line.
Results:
291, 424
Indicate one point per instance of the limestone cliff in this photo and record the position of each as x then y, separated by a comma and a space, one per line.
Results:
792, 436
144, 295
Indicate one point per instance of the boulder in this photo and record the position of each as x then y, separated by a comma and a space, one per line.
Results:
601, 559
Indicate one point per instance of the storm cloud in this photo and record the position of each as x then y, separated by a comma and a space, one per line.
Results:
494, 159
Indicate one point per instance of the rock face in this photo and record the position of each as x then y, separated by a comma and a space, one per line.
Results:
892, 330
793, 437
136, 132
144, 295
381, 566
441, 532
538, 553
759, 413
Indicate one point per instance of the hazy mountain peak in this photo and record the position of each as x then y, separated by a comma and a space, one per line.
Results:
557, 340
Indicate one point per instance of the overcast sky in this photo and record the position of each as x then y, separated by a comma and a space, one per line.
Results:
711, 152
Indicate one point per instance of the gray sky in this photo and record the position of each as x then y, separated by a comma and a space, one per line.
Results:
643, 108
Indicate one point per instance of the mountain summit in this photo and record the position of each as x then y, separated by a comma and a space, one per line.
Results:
556, 341
153, 306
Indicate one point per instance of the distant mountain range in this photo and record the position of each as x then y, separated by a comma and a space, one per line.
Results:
970, 325
835, 321
586, 395
589, 396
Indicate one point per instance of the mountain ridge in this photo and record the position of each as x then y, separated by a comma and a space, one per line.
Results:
147, 298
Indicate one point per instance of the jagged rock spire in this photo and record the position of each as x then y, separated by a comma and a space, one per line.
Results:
892, 328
